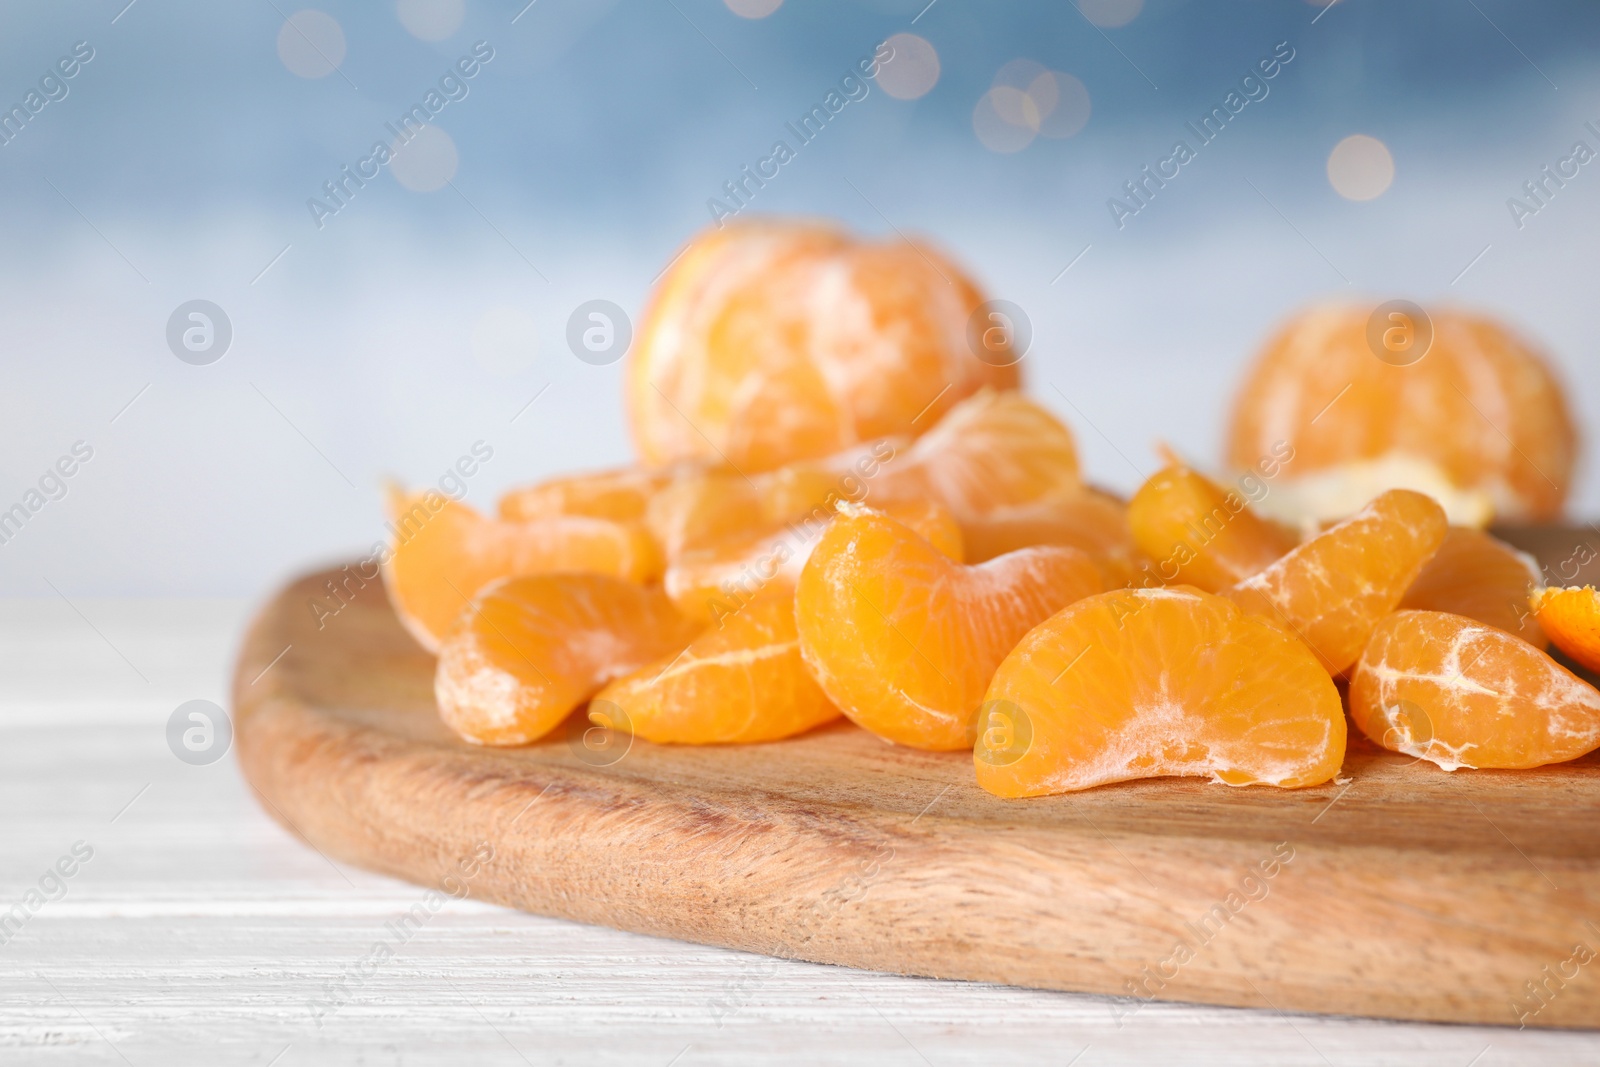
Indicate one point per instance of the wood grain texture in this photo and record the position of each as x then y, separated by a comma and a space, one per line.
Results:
1411, 893
203, 930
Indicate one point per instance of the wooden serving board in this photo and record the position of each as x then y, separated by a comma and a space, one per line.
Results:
1404, 891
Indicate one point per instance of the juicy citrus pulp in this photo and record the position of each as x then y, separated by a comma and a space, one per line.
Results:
622, 493
1481, 577
1142, 683
1089, 519
1571, 617
442, 552
1332, 590
1450, 690
741, 682
530, 650
709, 583
903, 639
1201, 534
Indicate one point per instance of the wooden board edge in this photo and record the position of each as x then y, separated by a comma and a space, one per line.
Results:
563, 845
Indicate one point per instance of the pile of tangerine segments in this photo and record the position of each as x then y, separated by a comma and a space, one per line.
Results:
842, 510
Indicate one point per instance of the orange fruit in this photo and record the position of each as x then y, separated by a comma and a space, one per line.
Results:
1090, 520
442, 552
1480, 421
709, 583
903, 639
1332, 590
1145, 683
703, 508
740, 683
815, 486
713, 505
993, 452
770, 341
1571, 617
1199, 533
682, 506
1481, 577
622, 494
530, 650
1450, 690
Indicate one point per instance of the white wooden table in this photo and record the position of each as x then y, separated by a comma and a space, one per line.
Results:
201, 932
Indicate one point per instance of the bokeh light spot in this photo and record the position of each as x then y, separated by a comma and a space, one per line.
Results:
426, 162
1020, 73
1015, 107
1032, 97
1360, 167
1030, 93
505, 341
431, 20
753, 9
1070, 113
1044, 93
991, 120
311, 44
912, 70
1109, 14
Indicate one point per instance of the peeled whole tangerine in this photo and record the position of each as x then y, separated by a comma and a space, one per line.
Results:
772, 341
1368, 409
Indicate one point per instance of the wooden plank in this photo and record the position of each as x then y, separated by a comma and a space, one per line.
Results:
1402, 892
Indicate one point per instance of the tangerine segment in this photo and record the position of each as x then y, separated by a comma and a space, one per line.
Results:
743, 682
1572, 619
710, 583
904, 639
1144, 683
713, 505
1483, 578
442, 552
771, 341
531, 649
993, 451
1450, 690
812, 486
622, 494
1200, 533
1090, 520
703, 508
1332, 590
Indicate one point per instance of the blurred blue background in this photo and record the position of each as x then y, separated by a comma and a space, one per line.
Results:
426, 314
